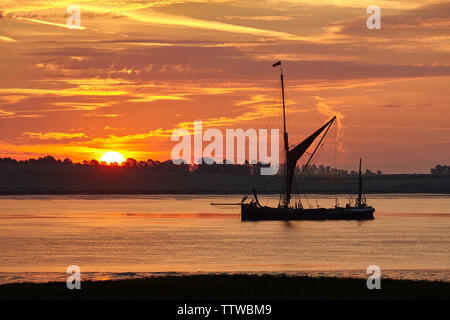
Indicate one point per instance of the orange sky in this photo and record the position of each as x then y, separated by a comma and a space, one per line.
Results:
139, 69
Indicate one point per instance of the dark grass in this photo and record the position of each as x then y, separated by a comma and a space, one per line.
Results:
236, 287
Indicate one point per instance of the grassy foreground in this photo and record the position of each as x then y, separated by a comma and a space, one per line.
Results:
230, 287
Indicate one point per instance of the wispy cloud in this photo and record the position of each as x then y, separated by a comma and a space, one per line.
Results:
181, 21
54, 135
7, 39
51, 23
329, 111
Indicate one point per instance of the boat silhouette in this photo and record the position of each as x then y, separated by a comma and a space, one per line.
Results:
254, 211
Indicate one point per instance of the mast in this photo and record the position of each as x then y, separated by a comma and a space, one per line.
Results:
360, 185
285, 134
286, 145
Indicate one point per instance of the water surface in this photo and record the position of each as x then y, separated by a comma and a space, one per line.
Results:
112, 237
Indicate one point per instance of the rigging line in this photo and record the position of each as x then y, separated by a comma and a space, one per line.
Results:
297, 187
267, 119
282, 180
319, 152
298, 190
307, 167
335, 166
299, 182
304, 196
314, 156
314, 160
315, 150
317, 146
311, 157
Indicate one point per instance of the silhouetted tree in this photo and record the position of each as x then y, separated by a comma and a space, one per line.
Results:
142, 164
94, 163
47, 159
8, 160
440, 170
130, 163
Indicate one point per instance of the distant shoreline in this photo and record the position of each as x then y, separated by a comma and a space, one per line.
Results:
65, 180
236, 287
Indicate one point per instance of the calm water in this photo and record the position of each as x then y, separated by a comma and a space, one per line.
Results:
112, 237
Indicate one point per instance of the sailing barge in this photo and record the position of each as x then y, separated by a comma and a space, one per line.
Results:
254, 211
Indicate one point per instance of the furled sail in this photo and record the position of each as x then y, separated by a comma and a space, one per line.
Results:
295, 153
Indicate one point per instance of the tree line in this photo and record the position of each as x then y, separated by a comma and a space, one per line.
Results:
222, 168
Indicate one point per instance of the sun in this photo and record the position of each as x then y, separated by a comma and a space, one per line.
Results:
111, 157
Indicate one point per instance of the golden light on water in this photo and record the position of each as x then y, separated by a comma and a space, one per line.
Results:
111, 157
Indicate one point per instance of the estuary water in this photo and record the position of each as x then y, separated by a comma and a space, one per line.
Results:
126, 236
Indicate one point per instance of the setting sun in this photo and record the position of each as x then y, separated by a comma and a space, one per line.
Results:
111, 157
